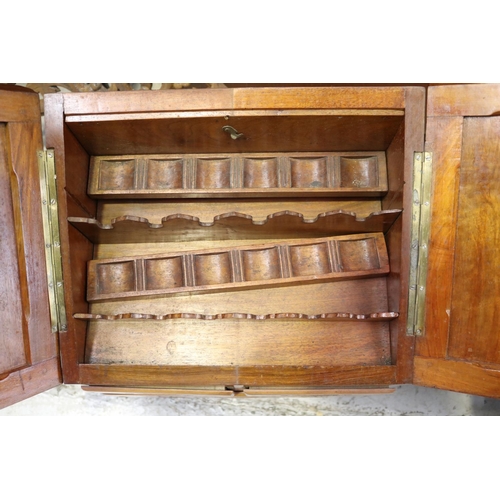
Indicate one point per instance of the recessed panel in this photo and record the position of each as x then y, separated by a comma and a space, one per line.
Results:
309, 172
358, 255
116, 174
12, 353
213, 173
212, 269
359, 172
164, 174
261, 264
116, 277
163, 273
310, 260
260, 173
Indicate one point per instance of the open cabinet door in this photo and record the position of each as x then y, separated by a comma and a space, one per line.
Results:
29, 360
460, 349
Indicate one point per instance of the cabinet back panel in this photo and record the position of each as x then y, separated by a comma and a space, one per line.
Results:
362, 296
206, 210
238, 342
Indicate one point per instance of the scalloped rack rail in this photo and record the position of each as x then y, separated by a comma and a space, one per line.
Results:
239, 175
226, 269
380, 316
232, 225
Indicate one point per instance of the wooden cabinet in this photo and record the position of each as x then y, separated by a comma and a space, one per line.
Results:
252, 241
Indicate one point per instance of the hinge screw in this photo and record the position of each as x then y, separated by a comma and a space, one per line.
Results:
63, 327
418, 157
421, 288
52, 202
419, 332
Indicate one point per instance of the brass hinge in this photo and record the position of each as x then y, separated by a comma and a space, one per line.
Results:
419, 251
46, 164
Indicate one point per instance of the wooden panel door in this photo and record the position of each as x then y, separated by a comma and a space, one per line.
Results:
461, 347
29, 360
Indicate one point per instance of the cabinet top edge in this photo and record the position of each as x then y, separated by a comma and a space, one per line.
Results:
236, 99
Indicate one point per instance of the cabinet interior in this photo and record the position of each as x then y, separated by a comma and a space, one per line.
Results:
293, 177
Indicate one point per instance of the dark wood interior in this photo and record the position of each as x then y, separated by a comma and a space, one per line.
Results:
195, 351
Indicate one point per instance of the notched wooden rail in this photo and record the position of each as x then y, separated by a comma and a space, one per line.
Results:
379, 316
239, 175
308, 260
232, 225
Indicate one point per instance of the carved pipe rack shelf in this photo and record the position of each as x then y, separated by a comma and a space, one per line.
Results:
239, 175
232, 225
255, 266
379, 316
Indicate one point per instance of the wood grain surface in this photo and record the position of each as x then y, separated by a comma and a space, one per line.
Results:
474, 328
256, 266
75, 249
207, 210
219, 175
277, 133
12, 339
23, 384
250, 393
444, 140
234, 342
304, 123
363, 296
232, 226
413, 141
464, 100
25, 140
311, 98
26, 323
259, 376
19, 107
459, 376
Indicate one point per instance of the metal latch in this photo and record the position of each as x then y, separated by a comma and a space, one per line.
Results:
53, 259
236, 388
419, 251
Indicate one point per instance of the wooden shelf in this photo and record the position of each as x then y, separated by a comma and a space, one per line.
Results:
239, 175
255, 266
378, 316
232, 225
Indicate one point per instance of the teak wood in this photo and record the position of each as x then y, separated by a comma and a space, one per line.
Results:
161, 175
258, 175
256, 266
463, 353
29, 358
233, 225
